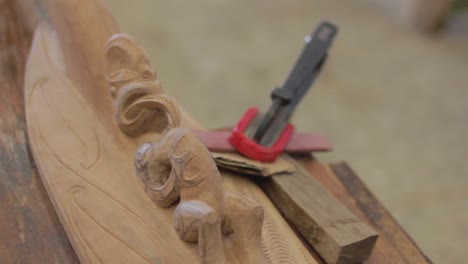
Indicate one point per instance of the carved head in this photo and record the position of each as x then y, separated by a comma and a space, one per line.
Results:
126, 62
154, 169
170, 165
138, 101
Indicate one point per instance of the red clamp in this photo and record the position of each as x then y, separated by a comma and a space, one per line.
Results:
252, 149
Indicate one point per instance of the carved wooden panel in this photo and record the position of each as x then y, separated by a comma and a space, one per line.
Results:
88, 171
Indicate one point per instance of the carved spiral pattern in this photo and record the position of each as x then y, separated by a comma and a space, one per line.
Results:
139, 103
161, 167
140, 109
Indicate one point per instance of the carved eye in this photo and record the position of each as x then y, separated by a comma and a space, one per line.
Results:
160, 172
147, 76
113, 91
121, 77
155, 170
142, 156
146, 72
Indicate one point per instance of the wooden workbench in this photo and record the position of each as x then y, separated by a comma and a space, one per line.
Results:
30, 231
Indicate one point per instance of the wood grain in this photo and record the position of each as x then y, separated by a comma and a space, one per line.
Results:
86, 162
394, 244
333, 230
379, 217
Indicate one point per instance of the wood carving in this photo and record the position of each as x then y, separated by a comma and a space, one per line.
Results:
38, 236
178, 167
86, 161
139, 104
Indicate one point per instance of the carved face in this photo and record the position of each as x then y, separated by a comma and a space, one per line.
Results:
155, 170
126, 62
153, 165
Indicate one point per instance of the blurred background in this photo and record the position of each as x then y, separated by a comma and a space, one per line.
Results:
393, 95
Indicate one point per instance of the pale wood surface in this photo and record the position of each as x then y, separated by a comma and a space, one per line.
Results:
87, 164
88, 176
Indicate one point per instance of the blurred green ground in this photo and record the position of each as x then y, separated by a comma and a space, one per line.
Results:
393, 102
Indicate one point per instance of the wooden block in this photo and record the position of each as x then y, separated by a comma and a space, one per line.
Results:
332, 229
394, 244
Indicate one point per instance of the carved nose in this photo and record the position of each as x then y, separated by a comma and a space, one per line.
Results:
142, 155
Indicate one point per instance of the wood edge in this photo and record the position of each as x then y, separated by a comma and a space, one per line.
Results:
367, 240
310, 232
365, 247
269, 188
369, 204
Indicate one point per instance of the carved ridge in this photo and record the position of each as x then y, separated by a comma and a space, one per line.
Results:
37, 91
39, 84
278, 247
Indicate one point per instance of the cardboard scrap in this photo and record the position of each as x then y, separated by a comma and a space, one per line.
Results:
236, 162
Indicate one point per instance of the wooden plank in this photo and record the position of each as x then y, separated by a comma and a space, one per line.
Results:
394, 244
333, 230
30, 230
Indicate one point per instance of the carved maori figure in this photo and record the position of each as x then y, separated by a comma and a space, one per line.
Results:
179, 167
139, 103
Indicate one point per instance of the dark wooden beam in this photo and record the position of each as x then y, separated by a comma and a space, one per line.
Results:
331, 228
394, 245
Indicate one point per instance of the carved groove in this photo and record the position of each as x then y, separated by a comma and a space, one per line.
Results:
139, 104
84, 179
274, 247
77, 191
39, 84
87, 170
